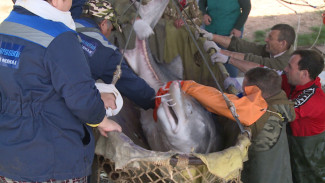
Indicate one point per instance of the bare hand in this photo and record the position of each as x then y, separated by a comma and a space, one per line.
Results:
178, 23
236, 33
108, 125
109, 100
207, 19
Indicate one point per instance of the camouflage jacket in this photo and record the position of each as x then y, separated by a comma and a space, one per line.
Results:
190, 12
266, 130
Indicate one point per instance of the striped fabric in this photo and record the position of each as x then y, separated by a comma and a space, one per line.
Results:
75, 180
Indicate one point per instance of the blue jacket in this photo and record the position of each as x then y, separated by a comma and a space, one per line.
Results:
103, 57
47, 96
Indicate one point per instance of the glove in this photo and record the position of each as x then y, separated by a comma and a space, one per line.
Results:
229, 81
142, 29
203, 33
210, 44
109, 88
220, 58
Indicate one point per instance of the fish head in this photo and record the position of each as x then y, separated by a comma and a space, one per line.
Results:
185, 124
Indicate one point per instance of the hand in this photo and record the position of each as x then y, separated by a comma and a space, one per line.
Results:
108, 125
109, 100
178, 23
229, 81
207, 19
203, 33
210, 44
236, 32
220, 58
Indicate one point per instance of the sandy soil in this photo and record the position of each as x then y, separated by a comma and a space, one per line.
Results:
264, 14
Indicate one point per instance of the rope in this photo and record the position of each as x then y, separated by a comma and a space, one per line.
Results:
118, 71
306, 4
230, 105
299, 20
298, 29
320, 30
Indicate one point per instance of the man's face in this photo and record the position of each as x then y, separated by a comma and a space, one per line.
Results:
273, 46
293, 73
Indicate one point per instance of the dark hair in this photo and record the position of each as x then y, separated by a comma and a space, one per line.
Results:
287, 33
266, 79
311, 60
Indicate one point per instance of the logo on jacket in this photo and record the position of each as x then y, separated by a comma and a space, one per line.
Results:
10, 54
88, 45
305, 96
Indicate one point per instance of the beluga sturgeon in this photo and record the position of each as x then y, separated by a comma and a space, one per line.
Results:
182, 124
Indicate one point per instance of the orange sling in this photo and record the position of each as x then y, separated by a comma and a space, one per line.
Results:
249, 108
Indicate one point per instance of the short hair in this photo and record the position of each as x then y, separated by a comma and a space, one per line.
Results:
287, 33
311, 60
266, 79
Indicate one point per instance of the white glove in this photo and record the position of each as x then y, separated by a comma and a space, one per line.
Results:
229, 81
210, 44
109, 88
220, 58
203, 33
142, 29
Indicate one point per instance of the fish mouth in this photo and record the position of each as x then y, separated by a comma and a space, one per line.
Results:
173, 111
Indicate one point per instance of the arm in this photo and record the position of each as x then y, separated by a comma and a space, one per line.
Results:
236, 55
245, 6
224, 56
278, 63
71, 78
129, 84
224, 41
242, 65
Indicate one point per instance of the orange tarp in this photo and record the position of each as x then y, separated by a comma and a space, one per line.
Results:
249, 108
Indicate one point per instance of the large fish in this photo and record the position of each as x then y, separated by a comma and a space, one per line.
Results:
183, 124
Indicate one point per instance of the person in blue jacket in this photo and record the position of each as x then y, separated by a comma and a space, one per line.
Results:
94, 28
48, 99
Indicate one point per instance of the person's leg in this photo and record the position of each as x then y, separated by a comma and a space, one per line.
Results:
232, 70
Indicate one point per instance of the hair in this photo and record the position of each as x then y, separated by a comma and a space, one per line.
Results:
266, 79
311, 61
287, 33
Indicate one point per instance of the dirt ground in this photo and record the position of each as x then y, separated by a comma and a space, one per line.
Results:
264, 14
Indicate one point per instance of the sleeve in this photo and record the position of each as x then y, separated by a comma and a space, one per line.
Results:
243, 46
71, 78
129, 84
203, 6
274, 63
245, 6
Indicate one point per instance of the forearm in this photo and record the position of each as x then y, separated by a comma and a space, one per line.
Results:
242, 65
224, 41
245, 6
236, 55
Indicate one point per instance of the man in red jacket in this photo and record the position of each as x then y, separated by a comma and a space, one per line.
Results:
302, 85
